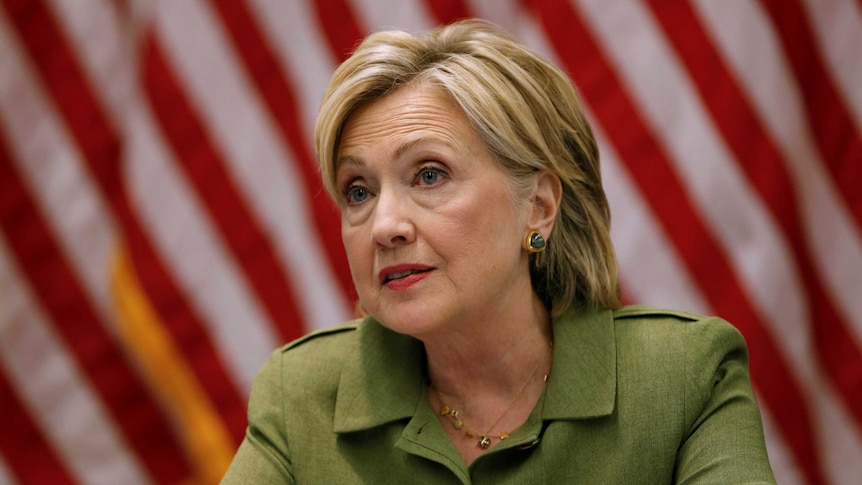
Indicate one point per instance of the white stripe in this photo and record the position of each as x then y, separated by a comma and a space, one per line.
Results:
253, 151
742, 226
837, 28
407, 15
5, 474
756, 59
301, 49
51, 167
523, 25
834, 429
183, 234
102, 46
644, 253
509, 15
51, 386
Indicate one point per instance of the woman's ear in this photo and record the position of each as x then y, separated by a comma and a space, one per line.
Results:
545, 203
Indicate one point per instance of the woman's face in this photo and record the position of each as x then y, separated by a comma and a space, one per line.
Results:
431, 232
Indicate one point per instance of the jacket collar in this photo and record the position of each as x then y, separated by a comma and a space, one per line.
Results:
583, 381
383, 381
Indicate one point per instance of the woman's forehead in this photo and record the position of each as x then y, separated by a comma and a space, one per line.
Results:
403, 120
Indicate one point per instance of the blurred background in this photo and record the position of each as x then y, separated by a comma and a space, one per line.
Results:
163, 227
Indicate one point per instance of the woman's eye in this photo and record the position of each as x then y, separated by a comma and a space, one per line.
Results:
355, 194
429, 175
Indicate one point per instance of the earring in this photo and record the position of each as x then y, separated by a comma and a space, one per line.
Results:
534, 242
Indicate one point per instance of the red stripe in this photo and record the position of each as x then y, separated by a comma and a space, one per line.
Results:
839, 143
205, 171
59, 292
259, 59
100, 146
749, 140
339, 26
658, 181
448, 11
30, 457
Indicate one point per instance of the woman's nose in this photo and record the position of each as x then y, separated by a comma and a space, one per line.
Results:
392, 224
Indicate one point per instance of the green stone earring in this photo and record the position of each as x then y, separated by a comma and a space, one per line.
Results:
534, 242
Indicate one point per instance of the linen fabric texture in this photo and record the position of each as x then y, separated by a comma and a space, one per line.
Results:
637, 395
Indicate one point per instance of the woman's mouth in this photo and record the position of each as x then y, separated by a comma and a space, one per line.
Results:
400, 274
401, 277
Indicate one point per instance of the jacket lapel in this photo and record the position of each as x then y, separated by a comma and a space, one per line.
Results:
382, 380
583, 380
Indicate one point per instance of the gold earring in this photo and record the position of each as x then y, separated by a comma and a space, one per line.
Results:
534, 242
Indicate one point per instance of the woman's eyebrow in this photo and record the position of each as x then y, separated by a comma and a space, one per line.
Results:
398, 152
348, 160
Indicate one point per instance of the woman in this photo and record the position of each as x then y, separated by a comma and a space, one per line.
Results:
495, 350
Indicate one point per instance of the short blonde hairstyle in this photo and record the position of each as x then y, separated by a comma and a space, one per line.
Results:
527, 114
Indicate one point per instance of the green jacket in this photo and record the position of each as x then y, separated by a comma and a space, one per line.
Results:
637, 396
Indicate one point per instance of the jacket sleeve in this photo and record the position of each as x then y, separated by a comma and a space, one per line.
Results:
263, 456
724, 441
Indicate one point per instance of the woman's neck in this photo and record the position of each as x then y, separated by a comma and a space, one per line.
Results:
486, 377
492, 358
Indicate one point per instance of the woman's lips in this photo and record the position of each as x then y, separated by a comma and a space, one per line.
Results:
401, 284
403, 276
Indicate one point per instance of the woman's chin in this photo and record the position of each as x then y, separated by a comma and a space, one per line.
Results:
414, 328
415, 316
413, 323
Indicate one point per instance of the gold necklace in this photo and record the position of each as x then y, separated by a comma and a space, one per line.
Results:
485, 438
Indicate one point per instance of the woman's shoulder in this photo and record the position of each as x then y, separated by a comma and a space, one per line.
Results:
330, 340
642, 321
650, 313
357, 348
311, 361
674, 340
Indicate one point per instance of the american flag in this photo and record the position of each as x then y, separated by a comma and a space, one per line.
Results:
163, 226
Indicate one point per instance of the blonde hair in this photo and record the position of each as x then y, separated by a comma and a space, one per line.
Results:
527, 114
